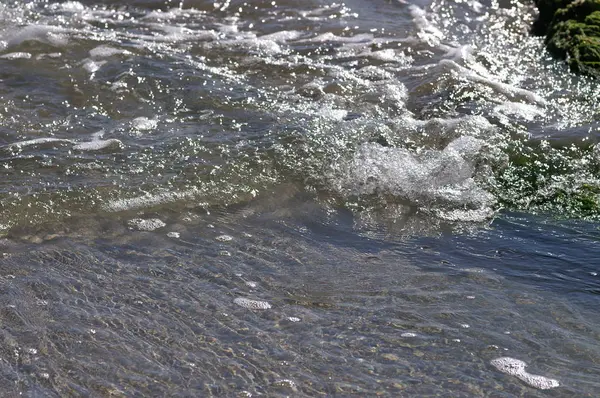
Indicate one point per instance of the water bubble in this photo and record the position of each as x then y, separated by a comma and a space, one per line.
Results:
516, 367
408, 334
293, 319
173, 234
252, 304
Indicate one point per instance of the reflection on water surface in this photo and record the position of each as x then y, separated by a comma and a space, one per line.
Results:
283, 199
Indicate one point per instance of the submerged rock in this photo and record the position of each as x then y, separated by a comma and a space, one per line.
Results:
572, 30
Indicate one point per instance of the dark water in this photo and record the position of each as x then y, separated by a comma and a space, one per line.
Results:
294, 199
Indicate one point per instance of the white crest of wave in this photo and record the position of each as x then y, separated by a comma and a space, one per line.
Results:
437, 181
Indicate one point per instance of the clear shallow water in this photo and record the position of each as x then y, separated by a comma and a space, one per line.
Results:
407, 191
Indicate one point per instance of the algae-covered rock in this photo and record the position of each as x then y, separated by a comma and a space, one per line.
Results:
572, 30
547, 8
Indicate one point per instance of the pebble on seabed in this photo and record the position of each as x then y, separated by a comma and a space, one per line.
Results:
252, 304
515, 367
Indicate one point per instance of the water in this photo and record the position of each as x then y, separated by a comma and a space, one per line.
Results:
294, 199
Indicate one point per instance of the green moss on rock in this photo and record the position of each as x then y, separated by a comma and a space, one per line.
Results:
572, 30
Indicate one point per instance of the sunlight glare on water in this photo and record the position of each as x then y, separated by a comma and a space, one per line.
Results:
294, 198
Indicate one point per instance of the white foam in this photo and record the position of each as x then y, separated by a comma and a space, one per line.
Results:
92, 66
356, 39
149, 224
387, 55
516, 367
107, 51
428, 32
37, 141
17, 55
432, 178
69, 6
143, 124
43, 33
252, 304
50, 55
98, 145
224, 238
527, 112
147, 200
283, 36
172, 13
333, 114
512, 92
460, 52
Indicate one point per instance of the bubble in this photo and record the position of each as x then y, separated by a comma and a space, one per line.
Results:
516, 367
173, 234
408, 334
252, 304
293, 319
251, 284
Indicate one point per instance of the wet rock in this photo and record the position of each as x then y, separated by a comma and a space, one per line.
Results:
572, 30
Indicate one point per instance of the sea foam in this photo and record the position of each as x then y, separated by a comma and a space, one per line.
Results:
516, 367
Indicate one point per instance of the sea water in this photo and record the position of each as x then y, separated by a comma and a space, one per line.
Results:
276, 198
